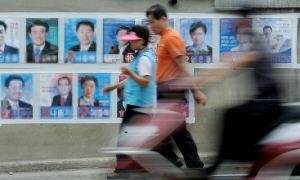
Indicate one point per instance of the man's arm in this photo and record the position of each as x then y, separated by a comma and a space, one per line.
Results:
245, 61
198, 95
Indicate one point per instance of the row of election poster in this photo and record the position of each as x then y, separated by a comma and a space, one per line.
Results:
56, 98
81, 42
55, 94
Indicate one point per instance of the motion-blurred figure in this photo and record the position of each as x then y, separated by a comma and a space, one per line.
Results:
246, 124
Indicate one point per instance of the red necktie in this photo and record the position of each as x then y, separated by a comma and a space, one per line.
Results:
62, 101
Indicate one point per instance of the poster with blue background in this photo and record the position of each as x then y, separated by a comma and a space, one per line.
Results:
113, 29
92, 102
277, 34
56, 96
234, 38
16, 101
42, 40
9, 41
197, 34
80, 40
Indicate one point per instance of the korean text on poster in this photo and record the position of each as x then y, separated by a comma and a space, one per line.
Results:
42, 40
9, 40
16, 102
92, 102
197, 34
56, 96
235, 39
277, 34
80, 40
113, 30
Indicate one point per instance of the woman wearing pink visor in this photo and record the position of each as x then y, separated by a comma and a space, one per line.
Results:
139, 90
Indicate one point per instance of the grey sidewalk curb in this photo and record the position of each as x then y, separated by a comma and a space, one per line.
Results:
67, 164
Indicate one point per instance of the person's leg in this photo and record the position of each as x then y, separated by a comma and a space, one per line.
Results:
181, 136
188, 148
122, 160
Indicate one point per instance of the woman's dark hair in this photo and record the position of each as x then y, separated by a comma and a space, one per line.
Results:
197, 25
142, 32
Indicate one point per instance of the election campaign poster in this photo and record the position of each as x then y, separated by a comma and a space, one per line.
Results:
80, 40
235, 39
277, 34
56, 96
113, 30
16, 102
92, 102
9, 41
197, 34
42, 40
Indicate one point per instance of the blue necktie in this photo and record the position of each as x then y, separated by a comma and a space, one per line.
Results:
37, 55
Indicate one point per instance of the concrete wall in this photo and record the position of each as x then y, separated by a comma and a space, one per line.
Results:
191, 6
63, 141
258, 3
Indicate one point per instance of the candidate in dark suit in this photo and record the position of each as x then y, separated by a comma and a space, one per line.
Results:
123, 48
40, 50
14, 90
65, 96
88, 86
10, 50
85, 34
4, 48
57, 100
92, 47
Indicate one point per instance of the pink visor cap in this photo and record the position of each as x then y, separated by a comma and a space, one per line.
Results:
130, 36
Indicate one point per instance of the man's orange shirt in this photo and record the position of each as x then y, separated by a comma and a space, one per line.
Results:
170, 46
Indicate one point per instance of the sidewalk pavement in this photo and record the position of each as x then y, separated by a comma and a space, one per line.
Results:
64, 164
84, 163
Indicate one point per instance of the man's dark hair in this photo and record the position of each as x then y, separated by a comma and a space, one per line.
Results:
266, 27
157, 11
64, 77
2, 23
242, 24
13, 77
86, 23
197, 25
142, 32
123, 28
38, 23
88, 77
